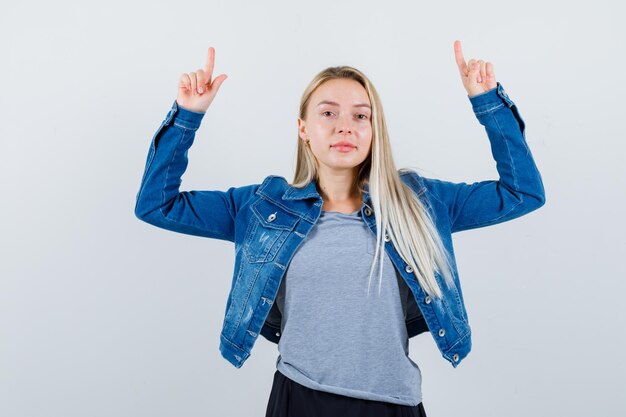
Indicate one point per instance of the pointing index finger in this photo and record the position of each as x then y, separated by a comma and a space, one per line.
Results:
209, 62
460, 60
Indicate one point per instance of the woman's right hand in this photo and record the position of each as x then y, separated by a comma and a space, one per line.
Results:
196, 90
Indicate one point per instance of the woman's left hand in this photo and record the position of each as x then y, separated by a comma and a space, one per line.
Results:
477, 75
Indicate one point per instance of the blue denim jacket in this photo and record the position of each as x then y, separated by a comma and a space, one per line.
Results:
268, 221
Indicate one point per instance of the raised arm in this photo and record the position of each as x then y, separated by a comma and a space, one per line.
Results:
159, 201
520, 188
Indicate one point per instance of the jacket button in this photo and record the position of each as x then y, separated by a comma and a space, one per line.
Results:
408, 269
442, 332
455, 357
277, 334
271, 217
386, 237
427, 299
368, 211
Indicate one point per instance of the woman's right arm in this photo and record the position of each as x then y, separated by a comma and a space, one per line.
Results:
159, 201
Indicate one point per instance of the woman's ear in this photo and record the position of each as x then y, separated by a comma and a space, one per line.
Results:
302, 129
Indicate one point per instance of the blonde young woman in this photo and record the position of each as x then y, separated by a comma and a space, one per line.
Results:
345, 264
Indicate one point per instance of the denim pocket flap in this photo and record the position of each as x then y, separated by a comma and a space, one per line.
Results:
272, 216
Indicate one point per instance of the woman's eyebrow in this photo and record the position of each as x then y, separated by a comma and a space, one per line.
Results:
332, 103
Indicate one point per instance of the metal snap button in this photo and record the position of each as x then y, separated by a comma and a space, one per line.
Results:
277, 334
455, 357
442, 332
427, 299
367, 211
408, 269
271, 217
386, 237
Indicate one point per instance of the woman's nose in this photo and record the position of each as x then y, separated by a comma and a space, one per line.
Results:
344, 125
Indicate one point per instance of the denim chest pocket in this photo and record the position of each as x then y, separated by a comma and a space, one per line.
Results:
269, 228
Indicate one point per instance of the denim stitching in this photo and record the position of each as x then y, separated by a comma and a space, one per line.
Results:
233, 345
514, 180
449, 311
246, 299
250, 231
233, 292
436, 197
478, 113
459, 340
167, 174
183, 126
506, 142
430, 192
287, 209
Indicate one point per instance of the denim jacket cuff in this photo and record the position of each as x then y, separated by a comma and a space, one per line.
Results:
491, 98
182, 117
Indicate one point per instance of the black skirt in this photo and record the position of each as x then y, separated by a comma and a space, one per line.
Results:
290, 399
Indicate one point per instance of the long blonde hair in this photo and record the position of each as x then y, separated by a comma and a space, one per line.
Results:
399, 211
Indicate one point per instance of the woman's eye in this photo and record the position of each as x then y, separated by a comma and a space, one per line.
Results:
360, 116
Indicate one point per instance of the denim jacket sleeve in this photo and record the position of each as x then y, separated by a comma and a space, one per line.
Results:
160, 203
520, 188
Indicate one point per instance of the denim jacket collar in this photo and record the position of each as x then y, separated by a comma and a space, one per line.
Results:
310, 191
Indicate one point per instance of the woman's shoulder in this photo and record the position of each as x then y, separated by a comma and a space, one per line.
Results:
412, 178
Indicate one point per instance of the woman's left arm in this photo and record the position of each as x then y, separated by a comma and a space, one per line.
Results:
520, 188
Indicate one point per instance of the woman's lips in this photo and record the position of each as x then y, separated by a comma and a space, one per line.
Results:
343, 148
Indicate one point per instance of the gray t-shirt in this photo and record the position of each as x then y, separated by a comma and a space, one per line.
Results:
334, 336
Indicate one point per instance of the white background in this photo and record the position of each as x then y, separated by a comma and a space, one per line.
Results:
104, 315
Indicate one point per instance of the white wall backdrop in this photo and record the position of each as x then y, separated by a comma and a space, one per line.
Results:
104, 315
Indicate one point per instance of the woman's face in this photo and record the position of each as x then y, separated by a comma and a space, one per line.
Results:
338, 111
